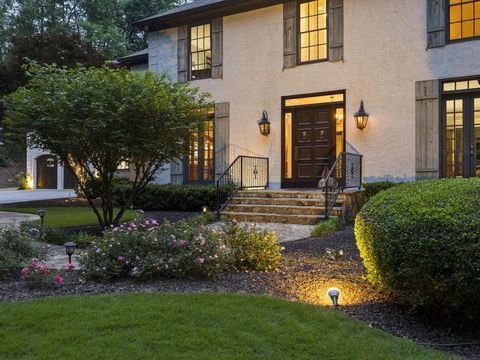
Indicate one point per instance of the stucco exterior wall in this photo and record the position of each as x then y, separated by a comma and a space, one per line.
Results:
385, 54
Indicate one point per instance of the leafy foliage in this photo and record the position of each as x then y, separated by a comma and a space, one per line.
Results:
93, 119
185, 249
15, 250
253, 248
327, 227
372, 189
169, 197
420, 241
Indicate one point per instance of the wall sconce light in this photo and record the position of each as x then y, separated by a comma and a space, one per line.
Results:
204, 209
361, 117
264, 124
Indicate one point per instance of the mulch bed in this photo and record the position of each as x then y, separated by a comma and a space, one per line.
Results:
305, 276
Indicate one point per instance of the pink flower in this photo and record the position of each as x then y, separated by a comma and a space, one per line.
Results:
222, 247
58, 279
120, 258
98, 251
137, 258
34, 263
183, 242
25, 272
134, 271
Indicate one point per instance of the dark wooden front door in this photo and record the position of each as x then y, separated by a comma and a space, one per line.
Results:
46, 172
313, 145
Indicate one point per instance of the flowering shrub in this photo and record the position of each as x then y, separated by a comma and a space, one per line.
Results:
38, 275
15, 249
252, 248
147, 249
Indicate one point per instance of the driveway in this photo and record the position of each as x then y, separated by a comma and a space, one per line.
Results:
10, 195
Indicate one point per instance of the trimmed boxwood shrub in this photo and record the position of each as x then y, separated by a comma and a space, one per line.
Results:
421, 242
372, 189
171, 197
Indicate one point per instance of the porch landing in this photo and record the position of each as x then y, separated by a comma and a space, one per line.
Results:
291, 206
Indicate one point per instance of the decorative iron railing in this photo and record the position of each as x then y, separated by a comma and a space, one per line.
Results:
346, 173
246, 172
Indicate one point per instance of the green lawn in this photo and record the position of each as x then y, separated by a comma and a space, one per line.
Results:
194, 326
61, 217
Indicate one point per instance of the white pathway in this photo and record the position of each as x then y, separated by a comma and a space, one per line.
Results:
10, 218
10, 195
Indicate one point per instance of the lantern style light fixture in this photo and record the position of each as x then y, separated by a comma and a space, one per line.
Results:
70, 250
361, 117
264, 124
334, 295
204, 209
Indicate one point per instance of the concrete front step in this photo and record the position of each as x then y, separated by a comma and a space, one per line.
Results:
281, 209
244, 200
272, 218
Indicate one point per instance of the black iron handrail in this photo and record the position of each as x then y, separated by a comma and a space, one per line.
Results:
346, 173
246, 172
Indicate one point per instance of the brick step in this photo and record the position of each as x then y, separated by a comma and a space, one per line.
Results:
242, 200
280, 209
273, 218
285, 194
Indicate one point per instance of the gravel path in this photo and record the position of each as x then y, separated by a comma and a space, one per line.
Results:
309, 270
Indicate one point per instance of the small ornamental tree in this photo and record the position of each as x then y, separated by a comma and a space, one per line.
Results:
93, 119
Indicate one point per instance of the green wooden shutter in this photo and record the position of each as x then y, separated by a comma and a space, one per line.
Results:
436, 23
217, 48
289, 34
222, 137
182, 53
427, 130
335, 30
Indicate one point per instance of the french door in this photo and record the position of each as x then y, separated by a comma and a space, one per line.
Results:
200, 162
461, 135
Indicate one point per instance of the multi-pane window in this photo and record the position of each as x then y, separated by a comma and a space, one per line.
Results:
464, 18
200, 51
313, 31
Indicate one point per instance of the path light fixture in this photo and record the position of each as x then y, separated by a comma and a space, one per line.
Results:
264, 124
334, 294
204, 209
361, 117
41, 213
70, 250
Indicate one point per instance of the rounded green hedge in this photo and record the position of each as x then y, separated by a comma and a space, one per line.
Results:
421, 242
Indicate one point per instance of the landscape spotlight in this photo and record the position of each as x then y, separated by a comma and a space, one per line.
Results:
334, 295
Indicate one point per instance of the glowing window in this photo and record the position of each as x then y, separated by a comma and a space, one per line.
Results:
464, 18
200, 51
313, 37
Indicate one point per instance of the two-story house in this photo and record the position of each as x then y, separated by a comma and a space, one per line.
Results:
307, 66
